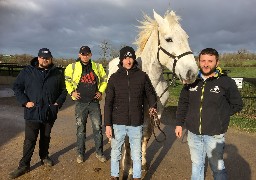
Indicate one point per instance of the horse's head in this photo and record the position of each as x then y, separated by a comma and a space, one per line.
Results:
173, 48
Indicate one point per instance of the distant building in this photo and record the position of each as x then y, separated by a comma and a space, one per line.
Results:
7, 55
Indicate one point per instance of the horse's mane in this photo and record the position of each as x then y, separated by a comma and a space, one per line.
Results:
148, 25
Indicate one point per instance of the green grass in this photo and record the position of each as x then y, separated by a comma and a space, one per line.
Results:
247, 124
241, 71
174, 94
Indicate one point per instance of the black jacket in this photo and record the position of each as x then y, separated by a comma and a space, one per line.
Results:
206, 106
125, 95
44, 88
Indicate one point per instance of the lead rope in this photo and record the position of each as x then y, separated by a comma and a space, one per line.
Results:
155, 122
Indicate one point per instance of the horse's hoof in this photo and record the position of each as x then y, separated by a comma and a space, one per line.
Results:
144, 167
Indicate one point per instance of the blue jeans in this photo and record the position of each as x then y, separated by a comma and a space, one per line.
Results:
135, 135
82, 110
213, 146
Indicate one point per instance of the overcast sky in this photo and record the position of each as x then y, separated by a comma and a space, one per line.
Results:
64, 26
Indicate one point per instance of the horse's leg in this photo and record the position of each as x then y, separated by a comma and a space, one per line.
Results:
144, 166
147, 132
126, 162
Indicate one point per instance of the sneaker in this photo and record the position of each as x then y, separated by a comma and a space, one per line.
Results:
47, 161
18, 172
80, 159
101, 158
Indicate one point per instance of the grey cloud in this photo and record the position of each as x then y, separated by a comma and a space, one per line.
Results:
64, 26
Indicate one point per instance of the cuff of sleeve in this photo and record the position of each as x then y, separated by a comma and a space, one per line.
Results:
71, 93
108, 124
179, 123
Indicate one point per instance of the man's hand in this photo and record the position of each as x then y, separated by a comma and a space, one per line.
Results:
178, 131
152, 111
109, 132
30, 104
76, 95
98, 95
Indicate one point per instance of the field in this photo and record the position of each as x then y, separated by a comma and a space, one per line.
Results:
241, 64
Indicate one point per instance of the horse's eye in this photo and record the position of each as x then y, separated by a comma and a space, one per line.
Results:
169, 40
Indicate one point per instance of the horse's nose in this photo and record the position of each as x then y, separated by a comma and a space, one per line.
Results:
190, 75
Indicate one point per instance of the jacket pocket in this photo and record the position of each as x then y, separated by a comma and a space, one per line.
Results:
52, 112
32, 113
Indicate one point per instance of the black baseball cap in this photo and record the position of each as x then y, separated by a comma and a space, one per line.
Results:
44, 52
85, 50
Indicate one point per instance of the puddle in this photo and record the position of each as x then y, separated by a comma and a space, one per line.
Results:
6, 92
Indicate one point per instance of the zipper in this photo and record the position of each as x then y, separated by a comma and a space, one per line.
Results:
129, 97
201, 107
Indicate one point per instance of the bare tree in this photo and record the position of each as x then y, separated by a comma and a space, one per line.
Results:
105, 48
114, 53
242, 51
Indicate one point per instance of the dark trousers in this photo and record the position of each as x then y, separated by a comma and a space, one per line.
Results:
82, 110
31, 133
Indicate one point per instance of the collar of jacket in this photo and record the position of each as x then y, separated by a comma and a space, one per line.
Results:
122, 69
34, 63
218, 73
86, 65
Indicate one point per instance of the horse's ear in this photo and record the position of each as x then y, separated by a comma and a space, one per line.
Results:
158, 18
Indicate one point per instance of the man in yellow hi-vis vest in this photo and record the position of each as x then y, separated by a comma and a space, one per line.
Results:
85, 81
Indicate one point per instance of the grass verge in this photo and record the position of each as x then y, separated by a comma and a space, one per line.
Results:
247, 124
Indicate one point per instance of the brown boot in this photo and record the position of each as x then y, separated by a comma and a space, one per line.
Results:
136, 178
114, 178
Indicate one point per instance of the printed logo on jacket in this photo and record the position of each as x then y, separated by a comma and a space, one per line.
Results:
216, 89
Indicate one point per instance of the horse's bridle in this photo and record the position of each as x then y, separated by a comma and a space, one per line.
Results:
155, 121
175, 58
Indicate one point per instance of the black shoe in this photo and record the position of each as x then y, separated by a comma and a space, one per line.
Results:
18, 172
114, 178
47, 161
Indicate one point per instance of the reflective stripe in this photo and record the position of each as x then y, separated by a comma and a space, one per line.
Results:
73, 68
105, 78
71, 79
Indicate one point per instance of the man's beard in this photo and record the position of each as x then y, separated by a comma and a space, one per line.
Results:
45, 66
209, 73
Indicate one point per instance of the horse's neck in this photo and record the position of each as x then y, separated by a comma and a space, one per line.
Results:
152, 66
150, 63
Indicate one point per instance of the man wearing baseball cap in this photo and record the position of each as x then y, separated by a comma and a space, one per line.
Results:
40, 89
86, 81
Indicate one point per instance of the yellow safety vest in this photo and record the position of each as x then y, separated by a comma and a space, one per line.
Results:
73, 74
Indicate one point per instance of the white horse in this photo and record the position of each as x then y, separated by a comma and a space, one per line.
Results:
162, 43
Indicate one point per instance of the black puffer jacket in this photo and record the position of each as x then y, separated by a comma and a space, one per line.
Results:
44, 88
125, 95
206, 106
